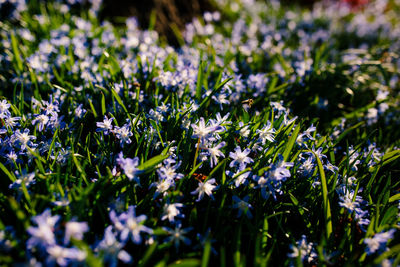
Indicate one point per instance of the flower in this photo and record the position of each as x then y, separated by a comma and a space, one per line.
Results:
130, 225
171, 211
243, 206
378, 242
205, 188
347, 201
266, 133
162, 186
215, 152
43, 234
62, 256
112, 249
123, 133
204, 132
24, 139
239, 179
41, 120
75, 230
168, 171
4, 112
25, 178
240, 158
304, 250
177, 236
130, 167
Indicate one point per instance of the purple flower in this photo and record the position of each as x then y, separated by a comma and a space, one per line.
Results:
4, 112
162, 186
24, 139
168, 170
24, 178
63, 256
303, 250
239, 179
11, 122
279, 171
215, 152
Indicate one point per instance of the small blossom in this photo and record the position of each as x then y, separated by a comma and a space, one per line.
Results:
105, 126
378, 241
243, 206
205, 188
266, 133
240, 158
171, 212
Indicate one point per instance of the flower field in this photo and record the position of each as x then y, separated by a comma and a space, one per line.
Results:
269, 137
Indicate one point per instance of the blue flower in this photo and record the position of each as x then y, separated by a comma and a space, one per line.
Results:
240, 158
266, 133
168, 170
205, 188
123, 133
4, 112
130, 225
105, 126
41, 120
177, 236
75, 230
112, 250
24, 139
378, 241
43, 234
204, 132
171, 212
243, 206
130, 167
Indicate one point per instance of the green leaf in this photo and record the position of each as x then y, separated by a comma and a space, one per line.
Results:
206, 254
200, 77
216, 89
394, 198
103, 105
149, 165
92, 108
17, 56
8, 173
185, 263
291, 142
327, 208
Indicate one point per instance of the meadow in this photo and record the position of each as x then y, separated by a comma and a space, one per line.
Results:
268, 137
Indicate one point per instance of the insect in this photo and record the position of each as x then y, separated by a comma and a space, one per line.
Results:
247, 103
200, 177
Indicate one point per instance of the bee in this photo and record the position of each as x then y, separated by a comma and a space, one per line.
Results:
200, 177
247, 103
